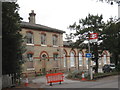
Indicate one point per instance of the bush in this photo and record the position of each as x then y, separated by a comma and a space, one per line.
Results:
77, 74
100, 75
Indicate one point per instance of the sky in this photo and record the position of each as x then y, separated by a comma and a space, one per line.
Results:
60, 14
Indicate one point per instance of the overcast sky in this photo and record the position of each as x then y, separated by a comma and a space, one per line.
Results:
62, 13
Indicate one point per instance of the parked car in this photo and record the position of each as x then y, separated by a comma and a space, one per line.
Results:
108, 68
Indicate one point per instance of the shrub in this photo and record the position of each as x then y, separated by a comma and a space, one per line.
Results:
77, 74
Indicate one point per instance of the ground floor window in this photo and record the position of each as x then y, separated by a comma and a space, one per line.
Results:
72, 59
55, 56
80, 59
64, 60
105, 59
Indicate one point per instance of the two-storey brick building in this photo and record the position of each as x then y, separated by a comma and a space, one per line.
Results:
46, 49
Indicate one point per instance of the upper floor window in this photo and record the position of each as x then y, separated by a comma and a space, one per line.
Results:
30, 57
29, 37
55, 40
43, 39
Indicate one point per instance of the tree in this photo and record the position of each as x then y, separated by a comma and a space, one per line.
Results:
12, 39
110, 1
111, 40
91, 24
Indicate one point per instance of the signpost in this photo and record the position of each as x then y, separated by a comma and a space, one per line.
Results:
93, 37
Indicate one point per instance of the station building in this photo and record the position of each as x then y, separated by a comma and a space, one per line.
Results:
47, 51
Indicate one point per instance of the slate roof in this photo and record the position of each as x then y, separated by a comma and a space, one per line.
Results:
67, 43
40, 27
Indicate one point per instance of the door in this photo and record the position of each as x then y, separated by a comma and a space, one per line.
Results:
44, 57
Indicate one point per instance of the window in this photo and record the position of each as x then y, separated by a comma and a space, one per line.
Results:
54, 40
43, 39
30, 57
72, 59
86, 61
64, 55
44, 57
104, 58
55, 56
29, 37
80, 59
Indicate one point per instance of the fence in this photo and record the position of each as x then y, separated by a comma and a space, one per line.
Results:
9, 81
54, 77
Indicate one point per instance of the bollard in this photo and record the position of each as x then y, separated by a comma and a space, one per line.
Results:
26, 81
83, 76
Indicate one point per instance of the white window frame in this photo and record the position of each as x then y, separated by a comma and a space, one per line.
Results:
105, 59
29, 39
43, 39
80, 59
72, 59
64, 55
55, 40
30, 58
55, 57
87, 62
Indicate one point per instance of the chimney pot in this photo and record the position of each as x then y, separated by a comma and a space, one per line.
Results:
32, 17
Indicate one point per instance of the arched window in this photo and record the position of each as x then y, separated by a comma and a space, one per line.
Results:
29, 37
65, 58
80, 59
44, 57
105, 59
87, 63
72, 59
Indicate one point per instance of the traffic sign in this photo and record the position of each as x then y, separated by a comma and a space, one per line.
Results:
93, 37
88, 55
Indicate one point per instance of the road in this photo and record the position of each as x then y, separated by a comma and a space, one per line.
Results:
107, 82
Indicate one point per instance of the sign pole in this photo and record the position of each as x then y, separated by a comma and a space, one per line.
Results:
89, 62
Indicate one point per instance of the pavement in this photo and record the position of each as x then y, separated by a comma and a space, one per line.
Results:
40, 82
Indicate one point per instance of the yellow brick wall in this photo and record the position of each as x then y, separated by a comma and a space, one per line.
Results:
37, 49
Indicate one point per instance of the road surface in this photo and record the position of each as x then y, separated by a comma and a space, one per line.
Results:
107, 82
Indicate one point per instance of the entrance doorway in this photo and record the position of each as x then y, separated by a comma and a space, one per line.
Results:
44, 59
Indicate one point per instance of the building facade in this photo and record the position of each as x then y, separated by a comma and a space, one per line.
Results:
47, 51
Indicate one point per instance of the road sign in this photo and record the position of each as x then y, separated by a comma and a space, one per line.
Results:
88, 55
93, 37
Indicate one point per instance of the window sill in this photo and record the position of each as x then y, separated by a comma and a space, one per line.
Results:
30, 69
72, 66
30, 44
55, 46
43, 45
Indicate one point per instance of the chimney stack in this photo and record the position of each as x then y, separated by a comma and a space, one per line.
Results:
32, 17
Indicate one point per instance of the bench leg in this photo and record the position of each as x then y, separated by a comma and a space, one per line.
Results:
50, 84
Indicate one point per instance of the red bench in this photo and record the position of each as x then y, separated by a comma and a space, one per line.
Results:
54, 77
